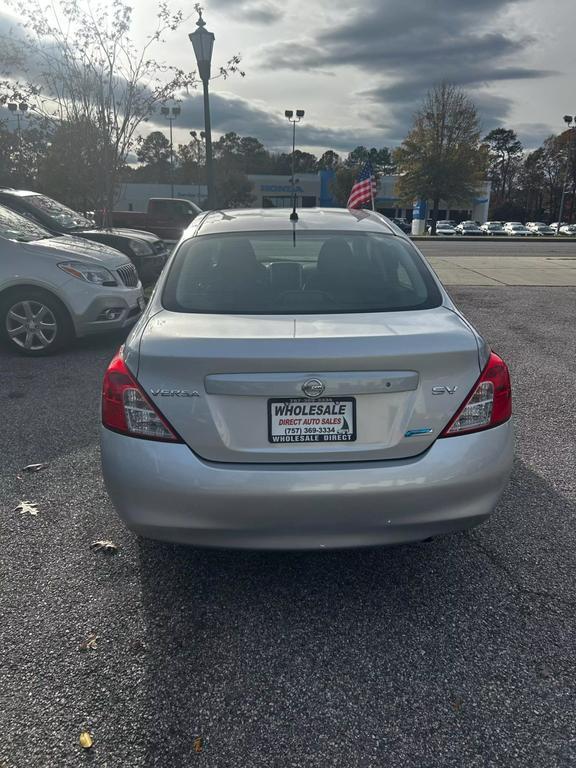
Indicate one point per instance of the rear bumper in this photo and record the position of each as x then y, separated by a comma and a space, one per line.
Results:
166, 492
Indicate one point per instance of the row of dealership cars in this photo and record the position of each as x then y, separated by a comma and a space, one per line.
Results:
448, 228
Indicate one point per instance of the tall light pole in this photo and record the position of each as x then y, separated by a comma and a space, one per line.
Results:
171, 115
203, 44
198, 143
289, 113
569, 120
18, 109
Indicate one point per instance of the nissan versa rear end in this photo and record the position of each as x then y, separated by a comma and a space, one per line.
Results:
303, 384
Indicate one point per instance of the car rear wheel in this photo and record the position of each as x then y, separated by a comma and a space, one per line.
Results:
34, 323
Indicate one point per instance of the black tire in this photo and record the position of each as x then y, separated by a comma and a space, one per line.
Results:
50, 326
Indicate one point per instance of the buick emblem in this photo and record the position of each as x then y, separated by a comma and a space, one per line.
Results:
313, 388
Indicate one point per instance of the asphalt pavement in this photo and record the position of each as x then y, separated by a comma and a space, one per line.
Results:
458, 652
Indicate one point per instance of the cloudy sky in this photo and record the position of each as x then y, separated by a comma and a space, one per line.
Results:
361, 69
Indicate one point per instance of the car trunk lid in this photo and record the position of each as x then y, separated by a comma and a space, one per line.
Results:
390, 382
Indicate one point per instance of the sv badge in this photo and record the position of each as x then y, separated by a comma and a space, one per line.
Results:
444, 390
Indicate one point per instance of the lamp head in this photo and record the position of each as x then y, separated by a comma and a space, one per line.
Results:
165, 110
203, 44
568, 119
12, 106
300, 113
289, 113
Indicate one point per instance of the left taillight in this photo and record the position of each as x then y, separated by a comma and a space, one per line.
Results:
126, 409
488, 404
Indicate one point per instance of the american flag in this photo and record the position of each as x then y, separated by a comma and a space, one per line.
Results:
364, 187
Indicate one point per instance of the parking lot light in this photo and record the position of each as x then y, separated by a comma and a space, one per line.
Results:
289, 114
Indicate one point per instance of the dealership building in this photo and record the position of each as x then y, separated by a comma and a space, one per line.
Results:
312, 190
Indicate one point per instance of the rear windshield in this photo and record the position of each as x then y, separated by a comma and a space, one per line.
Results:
302, 273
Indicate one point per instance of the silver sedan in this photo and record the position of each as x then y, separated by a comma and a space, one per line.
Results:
303, 384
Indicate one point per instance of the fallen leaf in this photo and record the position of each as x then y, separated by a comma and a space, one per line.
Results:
457, 705
198, 744
545, 671
86, 740
90, 644
35, 467
103, 545
27, 507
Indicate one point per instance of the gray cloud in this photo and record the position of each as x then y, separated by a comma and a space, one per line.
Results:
533, 134
418, 44
273, 130
253, 11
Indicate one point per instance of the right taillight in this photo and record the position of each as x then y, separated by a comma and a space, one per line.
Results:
488, 404
126, 409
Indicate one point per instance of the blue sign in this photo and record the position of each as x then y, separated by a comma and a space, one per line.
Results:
419, 210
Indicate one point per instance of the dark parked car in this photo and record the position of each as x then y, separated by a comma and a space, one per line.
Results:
404, 225
166, 217
147, 252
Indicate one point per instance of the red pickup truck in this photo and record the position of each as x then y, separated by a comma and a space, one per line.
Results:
166, 217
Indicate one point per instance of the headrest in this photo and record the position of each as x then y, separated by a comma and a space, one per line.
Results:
335, 257
236, 253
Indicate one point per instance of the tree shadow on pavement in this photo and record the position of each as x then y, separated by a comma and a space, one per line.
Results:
449, 653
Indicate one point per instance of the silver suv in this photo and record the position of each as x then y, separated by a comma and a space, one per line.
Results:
53, 289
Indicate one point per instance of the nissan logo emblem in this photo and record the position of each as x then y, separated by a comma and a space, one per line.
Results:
313, 388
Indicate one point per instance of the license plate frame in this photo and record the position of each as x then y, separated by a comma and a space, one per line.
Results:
326, 433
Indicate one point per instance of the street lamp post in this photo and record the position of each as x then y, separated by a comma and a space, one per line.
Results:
171, 115
569, 120
18, 109
203, 44
198, 143
289, 113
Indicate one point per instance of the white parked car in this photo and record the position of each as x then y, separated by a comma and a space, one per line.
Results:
469, 229
518, 230
55, 288
568, 229
493, 228
554, 225
540, 230
443, 229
